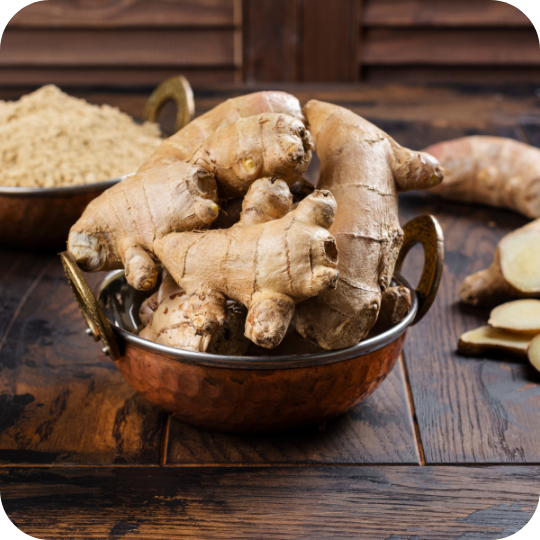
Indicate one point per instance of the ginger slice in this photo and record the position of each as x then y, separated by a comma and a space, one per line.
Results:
520, 260
519, 316
534, 353
486, 338
514, 272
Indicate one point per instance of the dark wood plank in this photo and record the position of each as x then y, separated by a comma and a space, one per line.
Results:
452, 75
476, 13
370, 503
505, 46
62, 401
125, 13
378, 430
330, 40
271, 40
124, 48
469, 409
112, 76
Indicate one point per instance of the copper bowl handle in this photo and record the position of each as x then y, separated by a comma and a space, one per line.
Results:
427, 231
98, 325
178, 90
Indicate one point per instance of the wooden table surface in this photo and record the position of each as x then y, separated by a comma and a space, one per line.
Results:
448, 447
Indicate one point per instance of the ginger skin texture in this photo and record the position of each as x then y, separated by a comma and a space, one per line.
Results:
119, 228
269, 261
166, 322
514, 272
490, 170
365, 169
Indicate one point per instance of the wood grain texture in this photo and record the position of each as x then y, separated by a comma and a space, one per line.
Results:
330, 40
371, 503
124, 48
125, 13
378, 430
61, 400
271, 40
469, 409
112, 76
475, 13
452, 75
507, 46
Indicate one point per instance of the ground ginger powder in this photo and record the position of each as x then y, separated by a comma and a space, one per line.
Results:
49, 139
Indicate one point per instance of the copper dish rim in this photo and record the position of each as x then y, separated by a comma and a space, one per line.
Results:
265, 362
64, 191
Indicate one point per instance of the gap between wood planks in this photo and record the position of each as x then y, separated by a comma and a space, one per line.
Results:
414, 419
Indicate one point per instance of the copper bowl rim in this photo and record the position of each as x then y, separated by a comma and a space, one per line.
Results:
64, 191
263, 362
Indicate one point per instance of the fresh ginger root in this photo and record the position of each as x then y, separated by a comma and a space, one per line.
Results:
486, 338
490, 170
269, 261
514, 272
165, 320
395, 304
521, 316
182, 145
365, 169
119, 228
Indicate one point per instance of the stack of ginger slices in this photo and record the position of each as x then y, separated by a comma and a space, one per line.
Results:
514, 328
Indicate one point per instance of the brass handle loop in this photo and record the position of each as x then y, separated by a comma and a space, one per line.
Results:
425, 230
178, 90
98, 325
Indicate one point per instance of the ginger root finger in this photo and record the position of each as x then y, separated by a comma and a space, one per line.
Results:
364, 169
533, 353
395, 304
170, 325
486, 338
285, 260
521, 316
514, 272
255, 147
490, 170
118, 228
182, 145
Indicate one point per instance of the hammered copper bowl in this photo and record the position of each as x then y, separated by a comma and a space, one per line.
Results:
253, 393
40, 218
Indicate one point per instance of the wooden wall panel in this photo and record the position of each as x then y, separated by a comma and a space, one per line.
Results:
440, 46
330, 36
126, 13
144, 48
461, 13
270, 40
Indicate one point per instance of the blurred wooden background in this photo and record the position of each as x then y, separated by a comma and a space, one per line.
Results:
141, 42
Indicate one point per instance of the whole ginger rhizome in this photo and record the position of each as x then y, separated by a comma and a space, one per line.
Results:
280, 258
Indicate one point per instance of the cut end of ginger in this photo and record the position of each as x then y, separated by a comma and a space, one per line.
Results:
520, 260
519, 316
486, 339
534, 353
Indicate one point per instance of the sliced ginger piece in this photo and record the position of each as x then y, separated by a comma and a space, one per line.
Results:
521, 316
520, 260
514, 272
534, 353
486, 338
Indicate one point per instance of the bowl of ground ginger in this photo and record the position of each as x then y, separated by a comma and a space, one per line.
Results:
57, 153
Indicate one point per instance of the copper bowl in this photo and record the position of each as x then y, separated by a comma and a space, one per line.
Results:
253, 393
40, 218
